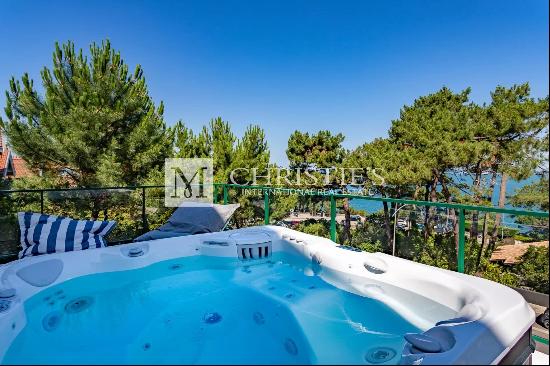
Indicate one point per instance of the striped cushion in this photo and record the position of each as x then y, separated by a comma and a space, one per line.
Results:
45, 234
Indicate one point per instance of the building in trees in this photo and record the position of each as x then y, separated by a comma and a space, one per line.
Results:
11, 166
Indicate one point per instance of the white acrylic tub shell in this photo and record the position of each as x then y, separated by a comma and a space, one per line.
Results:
492, 317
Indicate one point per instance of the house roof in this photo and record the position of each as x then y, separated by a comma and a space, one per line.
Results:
20, 167
511, 254
8, 159
4, 155
4, 159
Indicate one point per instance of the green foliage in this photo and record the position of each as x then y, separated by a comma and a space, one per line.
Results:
494, 272
218, 142
524, 238
321, 150
354, 211
533, 196
251, 152
370, 247
436, 130
533, 269
437, 250
512, 125
189, 145
96, 125
530, 273
282, 206
443, 134
233, 160
370, 234
388, 169
319, 228
250, 213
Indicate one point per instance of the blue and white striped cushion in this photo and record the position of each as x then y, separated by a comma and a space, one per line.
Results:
45, 234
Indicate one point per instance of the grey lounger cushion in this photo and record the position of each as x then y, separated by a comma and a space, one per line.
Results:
193, 218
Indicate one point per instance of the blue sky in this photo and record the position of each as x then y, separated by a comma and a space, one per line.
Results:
346, 66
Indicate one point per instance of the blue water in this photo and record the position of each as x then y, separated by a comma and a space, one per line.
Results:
511, 187
205, 310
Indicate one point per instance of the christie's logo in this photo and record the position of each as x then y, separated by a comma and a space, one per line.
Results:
188, 180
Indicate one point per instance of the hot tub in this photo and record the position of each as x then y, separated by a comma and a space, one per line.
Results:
264, 295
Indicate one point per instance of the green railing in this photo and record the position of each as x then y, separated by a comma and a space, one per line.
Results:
267, 190
222, 193
333, 196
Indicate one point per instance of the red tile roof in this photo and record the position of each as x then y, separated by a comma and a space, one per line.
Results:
511, 254
4, 152
4, 157
21, 168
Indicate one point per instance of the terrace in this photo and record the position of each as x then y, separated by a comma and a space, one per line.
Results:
439, 109
139, 209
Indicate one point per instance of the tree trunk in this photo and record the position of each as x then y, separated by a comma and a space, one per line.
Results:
475, 214
96, 207
387, 224
412, 222
485, 223
451, 213
483, 238
498, 217
426, 211
456, 231
474, 232
429, 210
346, 234
433, 192
412, 215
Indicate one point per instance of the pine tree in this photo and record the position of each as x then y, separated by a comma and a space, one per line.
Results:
217, 141
251, 151
320, 150
390, 170
95, 124
514, 124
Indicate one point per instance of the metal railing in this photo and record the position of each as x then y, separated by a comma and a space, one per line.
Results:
222, 195
331, 193
461, 208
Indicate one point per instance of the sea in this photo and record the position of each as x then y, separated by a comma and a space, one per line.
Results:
511, 187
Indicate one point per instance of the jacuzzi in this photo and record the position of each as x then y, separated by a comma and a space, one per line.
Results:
263, 295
